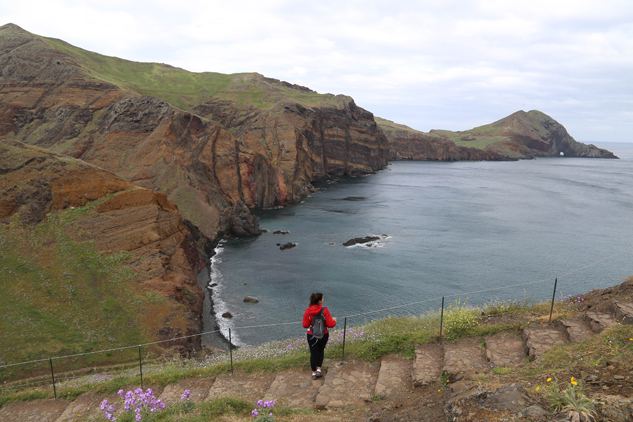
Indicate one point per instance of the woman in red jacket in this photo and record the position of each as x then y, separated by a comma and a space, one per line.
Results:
317, 346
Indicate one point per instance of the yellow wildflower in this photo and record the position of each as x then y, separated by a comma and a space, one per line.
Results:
538, 388
549, 379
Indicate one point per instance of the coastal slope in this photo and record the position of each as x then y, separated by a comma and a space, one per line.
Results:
88, 260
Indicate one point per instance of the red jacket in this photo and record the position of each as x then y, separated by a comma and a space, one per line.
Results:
312, 311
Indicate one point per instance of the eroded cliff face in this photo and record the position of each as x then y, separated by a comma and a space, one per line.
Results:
303, 143
213, 162
48, 102
163, 253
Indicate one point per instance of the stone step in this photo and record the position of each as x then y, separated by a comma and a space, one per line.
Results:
250, 387
577, 329
348, 385
427, 367
294, 388
598, 321
394, 376
88, 406
33, 411
198, 387
505, 349
540, 338
466, 357
623, 311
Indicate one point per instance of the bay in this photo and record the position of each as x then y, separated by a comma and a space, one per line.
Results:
451, 229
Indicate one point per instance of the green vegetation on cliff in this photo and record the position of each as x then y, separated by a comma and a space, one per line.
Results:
186, 89
61, 297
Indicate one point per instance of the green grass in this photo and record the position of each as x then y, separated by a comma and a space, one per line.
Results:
186, 89
61, 297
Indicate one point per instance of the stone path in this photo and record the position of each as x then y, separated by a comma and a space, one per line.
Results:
539, 339
577, 329
353, 385
348, 385
465, 357
251, 387
428, 364
198, 387
623, 311
294, 388
394, 377
505, 349
598, 321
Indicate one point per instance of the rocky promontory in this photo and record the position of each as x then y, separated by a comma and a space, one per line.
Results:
519, 136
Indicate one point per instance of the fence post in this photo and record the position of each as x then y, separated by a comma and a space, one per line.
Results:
441, 319
140, 364
553, 297
50, 360
231, 350
344, 329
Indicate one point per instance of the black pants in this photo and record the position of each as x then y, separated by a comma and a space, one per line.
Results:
317, 347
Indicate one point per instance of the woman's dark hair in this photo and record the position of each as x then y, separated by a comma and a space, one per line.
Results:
315, 298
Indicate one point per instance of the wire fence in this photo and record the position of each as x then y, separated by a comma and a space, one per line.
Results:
65, 377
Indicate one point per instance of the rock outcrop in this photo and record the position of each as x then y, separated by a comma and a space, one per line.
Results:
164, 254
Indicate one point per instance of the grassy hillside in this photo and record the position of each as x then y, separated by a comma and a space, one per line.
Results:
186, 89
61, 297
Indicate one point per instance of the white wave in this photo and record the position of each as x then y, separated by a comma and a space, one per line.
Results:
219, 305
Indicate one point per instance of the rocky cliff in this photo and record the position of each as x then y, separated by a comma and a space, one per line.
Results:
106, 213
519, 136
409, 144
214, 144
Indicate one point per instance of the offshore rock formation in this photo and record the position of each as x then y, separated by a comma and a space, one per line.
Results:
35, 182
214, 154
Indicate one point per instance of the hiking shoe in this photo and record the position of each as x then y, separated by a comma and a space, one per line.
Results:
319, 374
314, 376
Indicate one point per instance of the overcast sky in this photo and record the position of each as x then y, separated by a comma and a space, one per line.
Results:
436, 64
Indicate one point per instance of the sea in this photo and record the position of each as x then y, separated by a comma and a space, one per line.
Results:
478, 232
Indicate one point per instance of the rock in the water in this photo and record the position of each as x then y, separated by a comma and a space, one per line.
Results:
227, 315
359, 240
250, 300
281, 232
285, 246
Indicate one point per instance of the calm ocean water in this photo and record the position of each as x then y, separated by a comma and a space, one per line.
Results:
452, 228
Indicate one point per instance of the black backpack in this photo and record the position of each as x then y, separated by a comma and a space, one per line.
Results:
318, 325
